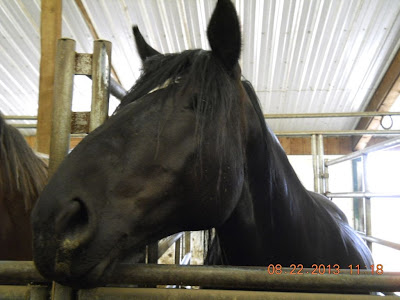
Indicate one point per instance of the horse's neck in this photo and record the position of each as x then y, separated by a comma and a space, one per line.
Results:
265, 211
238, 239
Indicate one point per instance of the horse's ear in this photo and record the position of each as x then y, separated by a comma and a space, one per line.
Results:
223, 34
144, 49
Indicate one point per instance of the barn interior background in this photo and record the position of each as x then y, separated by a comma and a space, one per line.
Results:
301, 56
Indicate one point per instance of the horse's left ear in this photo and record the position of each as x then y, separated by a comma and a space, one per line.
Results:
223, 34
144, 49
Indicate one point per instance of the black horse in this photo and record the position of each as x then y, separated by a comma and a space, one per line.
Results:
187, 149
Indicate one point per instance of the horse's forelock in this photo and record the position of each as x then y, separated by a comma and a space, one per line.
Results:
218, 104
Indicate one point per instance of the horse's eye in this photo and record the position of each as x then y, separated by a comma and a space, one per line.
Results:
198, 103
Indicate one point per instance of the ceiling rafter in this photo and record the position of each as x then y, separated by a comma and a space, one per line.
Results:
382, 100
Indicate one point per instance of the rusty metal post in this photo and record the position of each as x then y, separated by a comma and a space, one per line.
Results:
101, 66
314, 153
63, 83
321, 163
187, 242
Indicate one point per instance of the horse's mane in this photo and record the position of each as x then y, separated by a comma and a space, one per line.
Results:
313, 215
215, 97
22, 173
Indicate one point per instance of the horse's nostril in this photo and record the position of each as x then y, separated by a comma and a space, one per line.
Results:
73, 219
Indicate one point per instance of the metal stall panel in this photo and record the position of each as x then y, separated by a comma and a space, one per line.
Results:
143, 294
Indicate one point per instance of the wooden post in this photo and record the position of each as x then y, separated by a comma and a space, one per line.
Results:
50, 31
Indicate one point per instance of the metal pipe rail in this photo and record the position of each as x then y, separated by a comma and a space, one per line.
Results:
34, 118
206, 294
380, 146
12, 272
337, 133
291, 133
331, 115
25, 126
113, 293
119, 92
362, 195
379, 241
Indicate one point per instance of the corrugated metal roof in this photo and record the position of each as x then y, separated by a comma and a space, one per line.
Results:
301, 56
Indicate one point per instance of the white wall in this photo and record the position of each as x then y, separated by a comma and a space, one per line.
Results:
340, 179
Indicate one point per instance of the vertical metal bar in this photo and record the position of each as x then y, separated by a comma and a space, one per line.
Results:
178, 251
60, 292
357, 203
367, 201
326, 177
187, 242
321, 163
101, 63
61, 122
315, 162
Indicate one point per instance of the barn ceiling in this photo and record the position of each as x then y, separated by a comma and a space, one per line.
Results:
301, 56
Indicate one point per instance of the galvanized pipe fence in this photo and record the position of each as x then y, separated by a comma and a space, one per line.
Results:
266, 284
365, 194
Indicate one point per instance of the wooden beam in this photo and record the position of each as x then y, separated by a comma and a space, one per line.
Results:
382, 100
302, 146
50, 31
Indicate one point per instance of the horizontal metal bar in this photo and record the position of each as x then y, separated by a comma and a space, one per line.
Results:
324, 133
20, 117
123, 92
13, 272
379, 241
14, 292
117, 90
337, 133
362, 195
34, 125
205, 294
19, 272
253, 278
331, 115
83, 64
380, 146
297, 133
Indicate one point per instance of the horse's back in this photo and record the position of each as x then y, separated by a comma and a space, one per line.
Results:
354, 250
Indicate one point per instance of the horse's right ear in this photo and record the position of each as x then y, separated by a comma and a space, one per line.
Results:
144, 49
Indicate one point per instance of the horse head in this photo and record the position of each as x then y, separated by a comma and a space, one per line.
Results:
171, 158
